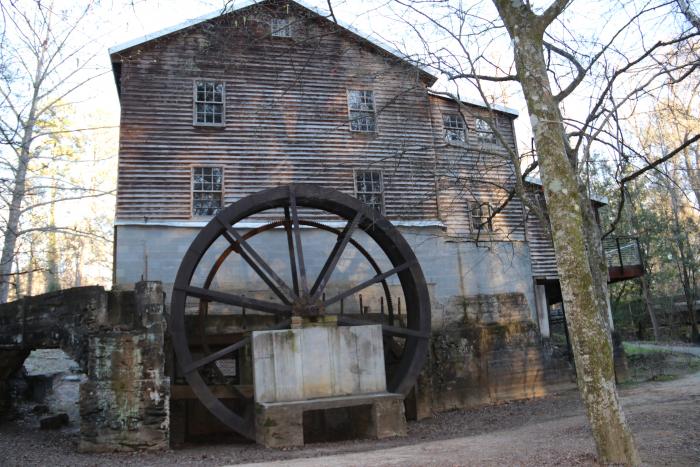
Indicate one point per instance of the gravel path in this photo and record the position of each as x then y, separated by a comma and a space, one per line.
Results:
665, 417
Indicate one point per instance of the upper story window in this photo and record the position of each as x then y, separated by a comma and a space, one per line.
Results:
208, 103
481, 214
281, 27
455, 129
484, 131
207, 190
361, 110
369, 188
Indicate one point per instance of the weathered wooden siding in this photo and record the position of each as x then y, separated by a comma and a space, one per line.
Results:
544, 263
286, 118
475, 172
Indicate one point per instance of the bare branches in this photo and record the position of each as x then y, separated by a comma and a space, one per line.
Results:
453, 77
552, 12
642, 171
330, 11
579, 68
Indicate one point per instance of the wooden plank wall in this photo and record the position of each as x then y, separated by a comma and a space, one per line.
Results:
475, 172
544, 262
287, 121
286, 118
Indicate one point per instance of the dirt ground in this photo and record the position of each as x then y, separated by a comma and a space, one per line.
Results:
665, 418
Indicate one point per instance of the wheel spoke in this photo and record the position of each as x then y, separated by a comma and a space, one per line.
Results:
248, 253
216, 355
386, 329
367, 283
238, 300
297, 237
290, 245
333, 258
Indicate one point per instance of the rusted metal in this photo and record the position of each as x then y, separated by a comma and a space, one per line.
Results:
299, 299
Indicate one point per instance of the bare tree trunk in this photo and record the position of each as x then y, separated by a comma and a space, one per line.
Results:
53, 282
30, 274
78, 261
649, 307
17, 284
578, 249
20, 179
693, 171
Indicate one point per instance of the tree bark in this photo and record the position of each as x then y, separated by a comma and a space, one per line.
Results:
578, 249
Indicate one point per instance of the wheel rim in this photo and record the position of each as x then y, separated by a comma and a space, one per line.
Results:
304, 296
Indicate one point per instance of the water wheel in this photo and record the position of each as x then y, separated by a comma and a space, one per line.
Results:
293, 289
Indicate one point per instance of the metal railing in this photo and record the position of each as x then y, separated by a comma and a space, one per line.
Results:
621, 252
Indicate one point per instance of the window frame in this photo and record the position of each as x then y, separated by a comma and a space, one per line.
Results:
446, 129
484, 135
481, 226
275, 30
195, 82
373, 111
381, 191
192, 190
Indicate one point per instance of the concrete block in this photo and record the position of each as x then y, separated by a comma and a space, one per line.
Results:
279, 426
308, 363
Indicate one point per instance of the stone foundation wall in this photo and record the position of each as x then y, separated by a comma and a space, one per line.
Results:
125, 402
490, 353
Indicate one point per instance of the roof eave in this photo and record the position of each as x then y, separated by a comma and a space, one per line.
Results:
476, 103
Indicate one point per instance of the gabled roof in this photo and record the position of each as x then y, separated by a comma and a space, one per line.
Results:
242, 4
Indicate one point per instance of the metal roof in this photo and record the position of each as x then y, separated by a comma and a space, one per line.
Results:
242, 4
476, 102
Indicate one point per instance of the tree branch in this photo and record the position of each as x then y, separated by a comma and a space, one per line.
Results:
642, 171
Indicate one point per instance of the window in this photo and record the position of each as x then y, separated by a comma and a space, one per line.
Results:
481, 217
484, 131
209, 103
454, 128
207, 190
361, 110
281, 27
369, 188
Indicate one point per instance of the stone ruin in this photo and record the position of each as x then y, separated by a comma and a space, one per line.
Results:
118, 340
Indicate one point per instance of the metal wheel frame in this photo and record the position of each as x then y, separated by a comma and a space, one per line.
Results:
301, 299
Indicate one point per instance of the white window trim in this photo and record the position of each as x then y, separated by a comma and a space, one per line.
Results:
482, 228
194, 103
223, 192
381, 187
374, 111
465, 135
485, 136
281, 31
